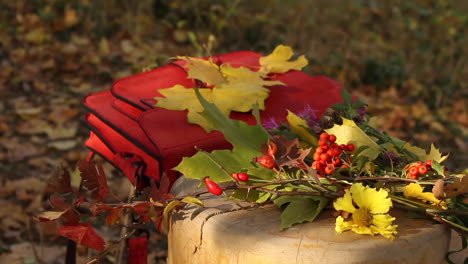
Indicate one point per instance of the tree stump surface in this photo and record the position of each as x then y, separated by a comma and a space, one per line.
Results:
217, 234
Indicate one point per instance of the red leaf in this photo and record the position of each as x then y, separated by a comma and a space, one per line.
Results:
59, 181
83, 234
69, 215
94, 179
114, 216
161, 193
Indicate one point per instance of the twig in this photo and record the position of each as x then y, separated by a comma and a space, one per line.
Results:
103, 253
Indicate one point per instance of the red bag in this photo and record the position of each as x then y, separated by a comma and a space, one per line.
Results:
140, 139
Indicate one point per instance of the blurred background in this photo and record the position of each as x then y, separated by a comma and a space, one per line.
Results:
407, 59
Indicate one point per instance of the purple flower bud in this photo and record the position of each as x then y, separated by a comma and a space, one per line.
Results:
308, 113
271, 124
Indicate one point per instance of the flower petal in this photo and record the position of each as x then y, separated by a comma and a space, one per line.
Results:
358, 192
341, 225
379, 202
345, 203
362, 230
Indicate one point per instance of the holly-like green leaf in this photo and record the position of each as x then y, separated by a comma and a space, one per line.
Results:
205, 164
299, 208
238, 133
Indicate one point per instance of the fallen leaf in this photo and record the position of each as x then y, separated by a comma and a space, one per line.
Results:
458, 187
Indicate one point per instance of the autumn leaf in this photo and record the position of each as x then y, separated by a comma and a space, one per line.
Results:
203, 70
94, 179
458, 187
434, 153
59, 182
50, 216
349, 132
83, 234
279, 61
181, 98
299, 127
114, 216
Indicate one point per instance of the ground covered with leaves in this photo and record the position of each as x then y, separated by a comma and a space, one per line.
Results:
406, 59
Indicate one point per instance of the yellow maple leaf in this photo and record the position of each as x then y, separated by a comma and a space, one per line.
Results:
278, 61
204, 70
242, 75
299, 127
434, 153
181, 98
239, 98
349, 132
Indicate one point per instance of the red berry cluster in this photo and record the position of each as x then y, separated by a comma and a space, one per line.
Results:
327, 154
415, 169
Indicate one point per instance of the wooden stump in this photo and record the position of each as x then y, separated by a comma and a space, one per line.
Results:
220, 235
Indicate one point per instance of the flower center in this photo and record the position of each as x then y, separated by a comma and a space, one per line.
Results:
362, 217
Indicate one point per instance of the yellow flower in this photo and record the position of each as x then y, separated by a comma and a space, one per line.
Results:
369, 211
414, 191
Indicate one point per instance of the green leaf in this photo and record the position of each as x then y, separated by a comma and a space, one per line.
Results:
437, 167
238, 133
170, 206
299, 208
249, 195
358, 103
262, 173
193, 200
346, 96
205, 164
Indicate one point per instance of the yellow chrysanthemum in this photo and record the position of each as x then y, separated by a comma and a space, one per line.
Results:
414, 191
369, 211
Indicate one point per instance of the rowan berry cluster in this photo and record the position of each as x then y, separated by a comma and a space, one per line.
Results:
418, 168
327, 156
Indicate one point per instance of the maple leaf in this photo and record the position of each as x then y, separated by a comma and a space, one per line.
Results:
434, 153
83, 234
94, 179
278, 61
181, 98
204, 70
59, 182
